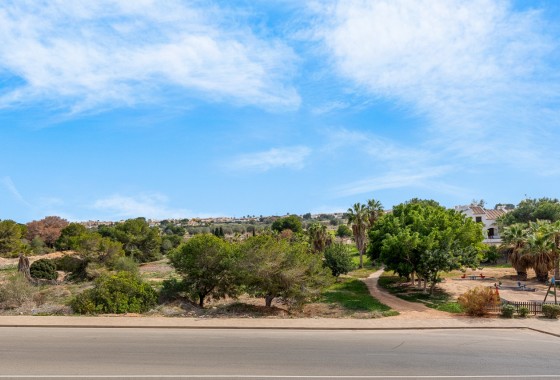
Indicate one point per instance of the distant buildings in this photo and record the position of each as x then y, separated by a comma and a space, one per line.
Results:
487, 218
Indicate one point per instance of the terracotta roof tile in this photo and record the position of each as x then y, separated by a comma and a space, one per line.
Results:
494, 214
477, 210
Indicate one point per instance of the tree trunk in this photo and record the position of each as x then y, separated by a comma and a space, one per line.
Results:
521, 276
23, 267
424, 289
200, 300
268, 300
412, 278
432, 287
556, 267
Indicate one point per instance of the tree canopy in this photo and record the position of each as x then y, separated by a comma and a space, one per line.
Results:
531, 210
420, 236
291, 222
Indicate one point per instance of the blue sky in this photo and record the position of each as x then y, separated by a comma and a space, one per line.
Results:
116, 109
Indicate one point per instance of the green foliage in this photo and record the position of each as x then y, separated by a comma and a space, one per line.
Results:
476, 301
281, 268
15, 291
353, 294
338, 258
291, 222
551, 311
421, 236
70, 237
343, 231
11, 235
319, 238
44, 269
207, 265
125, 264
523, 311
68, 263
171, 289
491, 254
95, 248
508, 311
139, 240
531, 210
120, 293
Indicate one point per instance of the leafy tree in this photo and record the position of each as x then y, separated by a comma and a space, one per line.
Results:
11, 235
48, 229
307, 216
291, 222
358, 219
531, 210
319, 238
338, 259
70, 237
515, 237
423, 237
98, 249
278, 268
343, 231
139, 240
207, 266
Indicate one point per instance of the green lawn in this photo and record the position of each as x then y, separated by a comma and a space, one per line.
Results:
439, 300
353, 294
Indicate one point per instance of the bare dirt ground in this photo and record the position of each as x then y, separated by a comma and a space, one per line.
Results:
456, 286
14, 261
407, 310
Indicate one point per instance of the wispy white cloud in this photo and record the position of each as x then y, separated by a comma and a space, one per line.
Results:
480, 72
84, 56
154, 206
12, 189
394, 180
288, 157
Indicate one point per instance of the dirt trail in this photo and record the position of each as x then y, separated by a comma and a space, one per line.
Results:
14, 261
407, 310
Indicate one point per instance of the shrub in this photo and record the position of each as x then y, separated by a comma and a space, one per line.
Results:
551, 311
15, 291
476, 301
120, 293
44, 269
523, 311
508, 311
338, 259
171, 289
125, 264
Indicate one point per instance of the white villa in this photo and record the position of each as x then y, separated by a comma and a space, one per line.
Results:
487, 218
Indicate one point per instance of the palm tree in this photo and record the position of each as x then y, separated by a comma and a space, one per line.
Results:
515, 237
358, 219
319, 237
374, 210
541, 249
555, 233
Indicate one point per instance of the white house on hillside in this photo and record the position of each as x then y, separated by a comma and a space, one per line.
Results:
487, 218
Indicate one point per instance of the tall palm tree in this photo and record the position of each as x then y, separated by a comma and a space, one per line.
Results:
358, 219
555, 234
319, 237
515, 237
374, 210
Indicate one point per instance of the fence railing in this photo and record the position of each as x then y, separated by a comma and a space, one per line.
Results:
535, 307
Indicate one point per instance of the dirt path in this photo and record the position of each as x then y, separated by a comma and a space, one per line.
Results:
14, 261
407, 310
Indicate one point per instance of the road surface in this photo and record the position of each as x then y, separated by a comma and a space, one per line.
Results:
223, 353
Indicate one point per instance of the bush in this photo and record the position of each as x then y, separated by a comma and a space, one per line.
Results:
120, 293
338, 259
523, 311
15, 291
476, 301
171, 289
507, 311
551, 311
125, 264
44, 269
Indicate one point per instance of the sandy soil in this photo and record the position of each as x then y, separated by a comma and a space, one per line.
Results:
14, 261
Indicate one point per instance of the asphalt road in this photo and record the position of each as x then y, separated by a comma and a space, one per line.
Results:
176, 353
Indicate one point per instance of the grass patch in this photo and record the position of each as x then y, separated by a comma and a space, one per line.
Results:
440, 300
353, 294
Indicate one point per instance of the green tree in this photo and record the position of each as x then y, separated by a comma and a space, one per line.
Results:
358, 219
291, 222
207, 265
319, 238
515, 238
374, 212
11, 235
531, 210
70, 236
139, 240
338, 259
278, 268
423, 237
343, 231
